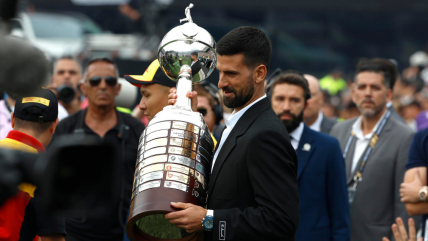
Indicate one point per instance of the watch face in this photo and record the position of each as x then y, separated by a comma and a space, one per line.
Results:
208, 223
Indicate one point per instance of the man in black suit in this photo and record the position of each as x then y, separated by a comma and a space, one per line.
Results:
313, 116
196, 64
253, 192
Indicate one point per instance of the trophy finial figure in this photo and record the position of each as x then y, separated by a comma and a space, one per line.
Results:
187, 13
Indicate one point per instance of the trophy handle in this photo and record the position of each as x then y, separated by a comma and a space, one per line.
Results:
184, 85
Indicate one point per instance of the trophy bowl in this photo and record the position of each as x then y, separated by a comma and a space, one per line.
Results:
176, 148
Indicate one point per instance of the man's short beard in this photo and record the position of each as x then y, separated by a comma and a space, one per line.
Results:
370, 113
241, 97
292, 124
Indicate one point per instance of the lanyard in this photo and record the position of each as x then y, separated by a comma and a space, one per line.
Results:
359, 175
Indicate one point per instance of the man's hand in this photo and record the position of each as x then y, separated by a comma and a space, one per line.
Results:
409, 192
190, 218
400, 232
172, 98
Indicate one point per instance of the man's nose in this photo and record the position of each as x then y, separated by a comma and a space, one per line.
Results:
221, 82
103, 84
142, 104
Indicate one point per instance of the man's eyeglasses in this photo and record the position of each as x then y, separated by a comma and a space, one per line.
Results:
203, 111
96, 80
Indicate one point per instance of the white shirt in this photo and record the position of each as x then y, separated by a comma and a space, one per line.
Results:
316, 126
192, 63
230, 123
362, 141
296, 135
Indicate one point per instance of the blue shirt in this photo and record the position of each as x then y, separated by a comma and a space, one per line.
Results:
418, 157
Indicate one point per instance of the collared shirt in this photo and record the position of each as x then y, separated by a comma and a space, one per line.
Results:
107, 226
316, 126
362, 141
5, 122
230, 123
192, 63
296, 135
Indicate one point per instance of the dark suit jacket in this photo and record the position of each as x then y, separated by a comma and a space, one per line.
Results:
253, 186
324, 209
196, 67
327, 124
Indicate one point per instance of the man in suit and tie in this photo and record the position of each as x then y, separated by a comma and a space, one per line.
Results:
313, 116
196, 64
324, 209
375, 147
252, 192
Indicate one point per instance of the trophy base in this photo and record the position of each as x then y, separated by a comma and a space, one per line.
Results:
174, 163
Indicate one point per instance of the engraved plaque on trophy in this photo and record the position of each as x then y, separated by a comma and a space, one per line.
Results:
175, 150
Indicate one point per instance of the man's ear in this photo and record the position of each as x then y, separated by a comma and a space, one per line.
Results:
260, 73
82, 88
12, 118
118, 88
389, 95
53, 126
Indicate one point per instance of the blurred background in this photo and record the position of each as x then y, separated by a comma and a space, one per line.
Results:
322, 38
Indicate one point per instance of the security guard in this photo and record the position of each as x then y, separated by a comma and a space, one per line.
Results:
102, 120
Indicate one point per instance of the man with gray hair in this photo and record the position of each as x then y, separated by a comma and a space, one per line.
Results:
102, 120
313, 116
375, 148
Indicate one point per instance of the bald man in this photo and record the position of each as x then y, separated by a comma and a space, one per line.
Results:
312, 116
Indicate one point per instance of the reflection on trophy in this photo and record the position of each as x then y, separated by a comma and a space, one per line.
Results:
176, 149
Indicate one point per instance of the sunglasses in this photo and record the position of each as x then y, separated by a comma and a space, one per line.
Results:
203, 111
96, 80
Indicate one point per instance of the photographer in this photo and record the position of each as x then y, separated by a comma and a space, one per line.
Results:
65, 79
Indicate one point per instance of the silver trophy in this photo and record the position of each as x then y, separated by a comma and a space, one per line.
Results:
176, 149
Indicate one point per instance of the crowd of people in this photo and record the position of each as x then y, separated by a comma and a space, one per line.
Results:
297, 159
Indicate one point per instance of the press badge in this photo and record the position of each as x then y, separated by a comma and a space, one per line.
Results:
351, 194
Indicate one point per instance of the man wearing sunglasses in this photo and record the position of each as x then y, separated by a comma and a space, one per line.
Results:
100, 119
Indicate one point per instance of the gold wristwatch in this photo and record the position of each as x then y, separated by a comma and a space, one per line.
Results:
423, 194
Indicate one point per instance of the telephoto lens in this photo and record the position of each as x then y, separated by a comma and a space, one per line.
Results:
66, 93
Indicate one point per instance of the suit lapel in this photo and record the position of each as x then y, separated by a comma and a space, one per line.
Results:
349, 159
304, 150
350, 155
240, 128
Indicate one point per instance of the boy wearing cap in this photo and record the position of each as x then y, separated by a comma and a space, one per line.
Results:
154, 86
33, 121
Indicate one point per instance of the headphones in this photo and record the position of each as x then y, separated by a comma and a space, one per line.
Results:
278, 72
218, 109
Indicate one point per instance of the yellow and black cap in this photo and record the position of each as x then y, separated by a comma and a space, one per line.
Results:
152, 75
46, 105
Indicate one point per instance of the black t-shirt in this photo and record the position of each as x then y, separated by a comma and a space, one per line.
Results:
109, 226
39, 222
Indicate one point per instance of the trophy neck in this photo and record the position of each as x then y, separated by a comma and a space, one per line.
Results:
184, 85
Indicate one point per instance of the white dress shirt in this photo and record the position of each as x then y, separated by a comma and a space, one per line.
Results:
296, 135
316, 126
230, 123
362, 141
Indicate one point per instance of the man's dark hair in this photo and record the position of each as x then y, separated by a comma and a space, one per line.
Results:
292, 78
379, 65
38, 127
251, 42
194, 54
68, 57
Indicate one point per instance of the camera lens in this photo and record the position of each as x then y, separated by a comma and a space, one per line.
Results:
65, 93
